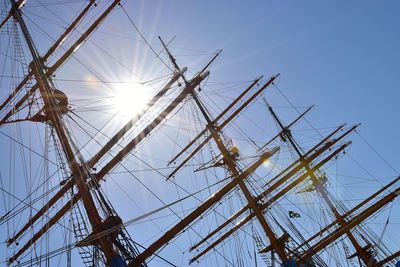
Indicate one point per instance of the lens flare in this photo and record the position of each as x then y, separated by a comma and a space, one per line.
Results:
130, 100
266, 163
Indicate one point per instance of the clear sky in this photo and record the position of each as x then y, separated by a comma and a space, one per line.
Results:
342, 56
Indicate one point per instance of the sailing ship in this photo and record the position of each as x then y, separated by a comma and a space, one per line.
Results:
191, 177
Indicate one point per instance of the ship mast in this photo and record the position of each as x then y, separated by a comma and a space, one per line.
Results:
229, 162
347, 214
353, 222
54, 115
96, 178
272, 187
366, 258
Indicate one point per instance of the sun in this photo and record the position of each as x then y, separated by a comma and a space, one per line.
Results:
130, 99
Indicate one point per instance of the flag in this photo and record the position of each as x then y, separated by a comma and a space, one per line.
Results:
293, 214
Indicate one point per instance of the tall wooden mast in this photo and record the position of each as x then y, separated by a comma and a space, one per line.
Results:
269, 191
319, 186
53, 113
94, 179
350, 224
231, 165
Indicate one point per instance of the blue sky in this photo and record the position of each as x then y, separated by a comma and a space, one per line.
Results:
342, 56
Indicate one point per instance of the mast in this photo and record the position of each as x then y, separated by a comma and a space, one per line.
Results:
215, 133
366, 258
353, 222
53, 114
274, 186
345, 215
266, 205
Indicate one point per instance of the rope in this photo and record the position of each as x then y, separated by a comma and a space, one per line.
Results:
144, 39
